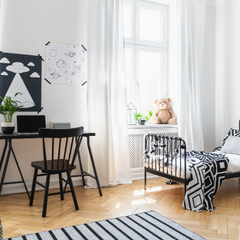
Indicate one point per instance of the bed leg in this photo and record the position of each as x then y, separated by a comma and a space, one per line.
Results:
145, 179
185, 189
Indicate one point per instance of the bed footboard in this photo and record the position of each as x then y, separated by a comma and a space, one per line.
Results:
165, 156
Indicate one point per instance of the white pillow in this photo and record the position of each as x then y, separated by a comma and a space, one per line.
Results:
231, 132
232, 145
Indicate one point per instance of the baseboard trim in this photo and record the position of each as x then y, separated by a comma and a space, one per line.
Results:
138, 174
19, 188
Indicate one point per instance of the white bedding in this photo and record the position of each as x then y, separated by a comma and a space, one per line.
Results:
233, 165
234, 162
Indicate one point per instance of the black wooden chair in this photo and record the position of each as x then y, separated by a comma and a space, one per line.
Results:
67, 142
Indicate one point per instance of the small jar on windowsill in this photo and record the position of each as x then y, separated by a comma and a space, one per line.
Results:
142, 118
142, 122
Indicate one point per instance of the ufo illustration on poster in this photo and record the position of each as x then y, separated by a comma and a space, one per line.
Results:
21, 73
17, 83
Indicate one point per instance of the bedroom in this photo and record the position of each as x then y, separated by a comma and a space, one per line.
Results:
26, 26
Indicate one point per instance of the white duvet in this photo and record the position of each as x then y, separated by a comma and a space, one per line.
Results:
234, 162
233, 165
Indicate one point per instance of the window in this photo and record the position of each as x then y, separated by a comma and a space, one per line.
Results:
146, 52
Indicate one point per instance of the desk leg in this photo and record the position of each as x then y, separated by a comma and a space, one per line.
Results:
20, 172
6, 163
93, 166
80, 163
10, 149
3, 154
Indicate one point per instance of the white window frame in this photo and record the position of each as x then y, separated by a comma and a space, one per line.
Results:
138, 44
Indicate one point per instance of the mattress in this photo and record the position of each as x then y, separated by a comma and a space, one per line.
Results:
174, 169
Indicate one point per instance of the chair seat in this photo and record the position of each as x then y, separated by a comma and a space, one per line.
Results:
53, 166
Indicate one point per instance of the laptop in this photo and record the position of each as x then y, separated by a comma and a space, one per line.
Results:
29, 124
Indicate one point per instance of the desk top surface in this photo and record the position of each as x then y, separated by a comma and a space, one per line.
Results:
16, 135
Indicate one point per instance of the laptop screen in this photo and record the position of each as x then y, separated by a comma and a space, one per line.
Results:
30, 123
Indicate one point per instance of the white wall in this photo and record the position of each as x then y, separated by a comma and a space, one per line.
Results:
27, 25
208, 80
227, 67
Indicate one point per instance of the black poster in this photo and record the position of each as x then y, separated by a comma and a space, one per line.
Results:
21, 73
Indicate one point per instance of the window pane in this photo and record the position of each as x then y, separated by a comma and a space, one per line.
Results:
150, 77
129, 74
150, 24
128, 20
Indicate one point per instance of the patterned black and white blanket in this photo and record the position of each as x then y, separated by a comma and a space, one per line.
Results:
207, 173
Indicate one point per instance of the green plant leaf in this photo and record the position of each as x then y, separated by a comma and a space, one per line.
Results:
138, 116
9, 106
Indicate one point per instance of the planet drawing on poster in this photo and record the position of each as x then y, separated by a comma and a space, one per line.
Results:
60, 63
65, 63
21, 73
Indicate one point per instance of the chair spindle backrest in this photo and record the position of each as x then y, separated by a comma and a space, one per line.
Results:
68, 145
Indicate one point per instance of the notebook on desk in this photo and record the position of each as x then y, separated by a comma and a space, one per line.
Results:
29, 124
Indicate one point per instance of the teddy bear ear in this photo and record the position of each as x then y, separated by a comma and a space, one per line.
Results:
169, 99
156, 100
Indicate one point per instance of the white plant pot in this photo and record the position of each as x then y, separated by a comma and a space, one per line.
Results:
8, 127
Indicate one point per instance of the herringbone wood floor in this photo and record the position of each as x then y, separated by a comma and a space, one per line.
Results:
223, 223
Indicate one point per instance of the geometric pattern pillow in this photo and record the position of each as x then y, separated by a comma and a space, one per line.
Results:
232, 132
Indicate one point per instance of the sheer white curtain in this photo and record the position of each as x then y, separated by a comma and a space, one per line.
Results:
106, 93
190, 20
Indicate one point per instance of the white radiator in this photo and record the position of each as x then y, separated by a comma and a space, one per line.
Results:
136, 149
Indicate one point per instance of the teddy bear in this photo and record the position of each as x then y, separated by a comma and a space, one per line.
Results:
164, 115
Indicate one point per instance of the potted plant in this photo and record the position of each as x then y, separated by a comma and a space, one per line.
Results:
142, 118
7, 108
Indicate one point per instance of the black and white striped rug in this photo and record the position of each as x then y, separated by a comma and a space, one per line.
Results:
147, 225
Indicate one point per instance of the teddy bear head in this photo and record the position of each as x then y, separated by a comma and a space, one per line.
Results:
163, 103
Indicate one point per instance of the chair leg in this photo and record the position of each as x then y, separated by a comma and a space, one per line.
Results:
33, 186
46, 196
61, 186
72, 191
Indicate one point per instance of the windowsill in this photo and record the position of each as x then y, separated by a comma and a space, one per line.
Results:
150, 125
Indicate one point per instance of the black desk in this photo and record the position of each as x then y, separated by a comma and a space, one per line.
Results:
8, 144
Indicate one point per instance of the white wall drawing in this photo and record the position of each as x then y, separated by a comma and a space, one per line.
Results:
66, 63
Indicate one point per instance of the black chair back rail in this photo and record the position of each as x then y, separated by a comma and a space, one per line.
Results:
58, 158
66, 152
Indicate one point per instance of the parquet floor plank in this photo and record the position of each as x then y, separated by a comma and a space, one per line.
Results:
232, 229
223, 223
213, 222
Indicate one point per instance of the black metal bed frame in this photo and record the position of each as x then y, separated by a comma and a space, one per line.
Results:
165, 156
